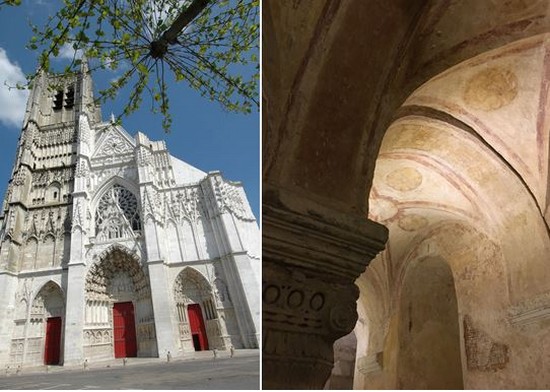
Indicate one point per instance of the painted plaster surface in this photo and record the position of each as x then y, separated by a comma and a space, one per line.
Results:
479, 209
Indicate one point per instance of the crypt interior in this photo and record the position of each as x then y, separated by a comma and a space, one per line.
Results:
406, 149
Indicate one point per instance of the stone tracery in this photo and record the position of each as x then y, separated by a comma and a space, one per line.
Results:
117, 214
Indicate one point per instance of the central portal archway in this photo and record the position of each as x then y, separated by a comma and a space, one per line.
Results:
119, 312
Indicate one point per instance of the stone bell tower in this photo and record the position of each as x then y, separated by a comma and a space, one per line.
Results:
35, 220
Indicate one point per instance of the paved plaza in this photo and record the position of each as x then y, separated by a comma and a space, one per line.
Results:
201, 372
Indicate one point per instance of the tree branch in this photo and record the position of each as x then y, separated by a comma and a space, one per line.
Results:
159, 47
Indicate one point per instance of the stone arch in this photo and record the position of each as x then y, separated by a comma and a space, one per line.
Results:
454, 181
47, 306
30, 253
116, 258
174, 244
51, 298
191, 288
117, 276
45, 258
108, 183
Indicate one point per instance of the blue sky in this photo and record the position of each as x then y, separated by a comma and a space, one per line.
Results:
203, 134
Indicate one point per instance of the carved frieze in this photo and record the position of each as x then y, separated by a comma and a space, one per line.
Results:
111, 263
97, 336
229, 197
82, 169
56, 136
144, 156
185, 203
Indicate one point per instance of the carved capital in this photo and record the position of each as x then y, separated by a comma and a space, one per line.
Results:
340, 245
310, 263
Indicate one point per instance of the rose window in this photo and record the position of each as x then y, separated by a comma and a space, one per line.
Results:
116, 208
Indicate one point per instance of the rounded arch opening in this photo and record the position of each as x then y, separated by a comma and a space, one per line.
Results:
429, 331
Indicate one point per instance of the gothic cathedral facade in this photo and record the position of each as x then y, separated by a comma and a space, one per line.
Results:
111, 247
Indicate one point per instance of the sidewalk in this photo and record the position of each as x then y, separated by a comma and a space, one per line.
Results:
120, 362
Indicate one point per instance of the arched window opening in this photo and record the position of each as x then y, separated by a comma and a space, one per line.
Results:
58, 100
53, 192
69, 98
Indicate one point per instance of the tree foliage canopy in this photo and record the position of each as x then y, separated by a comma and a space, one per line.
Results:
209, 44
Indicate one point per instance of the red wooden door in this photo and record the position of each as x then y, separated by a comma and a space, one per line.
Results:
124, 330
198, 330
53, 341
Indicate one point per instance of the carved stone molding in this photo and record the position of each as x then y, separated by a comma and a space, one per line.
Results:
533, 311
531, 317
340, 246
309, 296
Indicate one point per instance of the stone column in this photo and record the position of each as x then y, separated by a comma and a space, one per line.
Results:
162, 305
8, 289
74, 321
310, 262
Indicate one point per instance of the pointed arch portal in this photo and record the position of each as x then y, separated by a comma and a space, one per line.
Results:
47, 318
119, 318
199, 325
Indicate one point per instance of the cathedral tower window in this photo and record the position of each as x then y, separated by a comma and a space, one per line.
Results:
69, 98
53, 192
58, 100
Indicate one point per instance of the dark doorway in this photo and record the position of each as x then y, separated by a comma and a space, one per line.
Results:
53, 341
198, 330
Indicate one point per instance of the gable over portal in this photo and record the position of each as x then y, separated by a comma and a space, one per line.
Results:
113, 142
